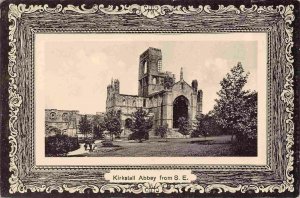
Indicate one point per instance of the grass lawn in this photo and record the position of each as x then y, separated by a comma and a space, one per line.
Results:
212, 146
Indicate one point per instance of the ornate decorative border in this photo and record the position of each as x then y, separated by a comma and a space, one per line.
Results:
148, 11
244, 167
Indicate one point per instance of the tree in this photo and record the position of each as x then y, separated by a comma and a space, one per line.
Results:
141, 124
112, 121
200, 126
184, 126
231, 98
98, 126
248, 121
162, 130
99, 129
211, 126
247, 133
84, 125
206, 125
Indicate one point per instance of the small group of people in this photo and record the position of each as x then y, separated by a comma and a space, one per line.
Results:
89, 146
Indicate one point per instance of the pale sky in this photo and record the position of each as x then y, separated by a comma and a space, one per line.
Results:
78, 69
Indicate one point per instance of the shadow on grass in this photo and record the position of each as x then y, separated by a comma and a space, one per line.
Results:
79, 155
136, 141
202, 142
162, 141
248, 148
207, 142
110, 146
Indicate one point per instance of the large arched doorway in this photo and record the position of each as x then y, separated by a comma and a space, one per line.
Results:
128, 123
127, 127
180, 109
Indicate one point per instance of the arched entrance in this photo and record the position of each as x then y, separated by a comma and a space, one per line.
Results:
128, 123
127, 126
180, 109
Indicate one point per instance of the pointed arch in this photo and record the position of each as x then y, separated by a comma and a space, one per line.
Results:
180, 109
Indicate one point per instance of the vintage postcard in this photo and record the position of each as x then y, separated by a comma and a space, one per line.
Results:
151, 99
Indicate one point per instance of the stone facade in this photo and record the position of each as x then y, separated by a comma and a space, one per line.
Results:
67, 121
158, 93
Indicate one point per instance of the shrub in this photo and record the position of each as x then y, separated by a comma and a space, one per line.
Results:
107, 143
146, 136
130, 136
161, 130
206, 125
60, 145
194, 134
184, 126
135, 136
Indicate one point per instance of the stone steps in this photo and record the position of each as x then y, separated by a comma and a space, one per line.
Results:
173, 133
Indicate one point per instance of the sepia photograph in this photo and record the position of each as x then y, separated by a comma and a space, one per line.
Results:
161, 98
151, 97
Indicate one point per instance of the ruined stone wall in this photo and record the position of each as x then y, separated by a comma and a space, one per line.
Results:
65, 120
160, 105
155, 105
157, 92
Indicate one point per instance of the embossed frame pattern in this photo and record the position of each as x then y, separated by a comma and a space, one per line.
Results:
26, 20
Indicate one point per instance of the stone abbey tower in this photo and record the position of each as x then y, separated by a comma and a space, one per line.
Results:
158, 93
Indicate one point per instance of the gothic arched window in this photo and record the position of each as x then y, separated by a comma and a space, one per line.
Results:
128, 123
154, 81
159, 65
145, 67
52, 115
65, 116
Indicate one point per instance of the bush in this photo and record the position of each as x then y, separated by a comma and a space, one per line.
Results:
107, 143
194, 134
135, 136
207, 125
184, 126
60, 145
161, 130
146, 136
